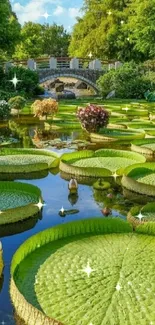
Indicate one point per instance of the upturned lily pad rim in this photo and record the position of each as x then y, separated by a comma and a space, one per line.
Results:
19, 213
86, 228
30, 167
130, 178
67, 167
24, 309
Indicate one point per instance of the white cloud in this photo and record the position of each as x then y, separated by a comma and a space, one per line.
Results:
32, 11
74, 12
58, 11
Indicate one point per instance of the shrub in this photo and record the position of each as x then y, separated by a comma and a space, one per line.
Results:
29, 80
93, 117
17, 102
45, 107
128, 81
39, 90
4, 109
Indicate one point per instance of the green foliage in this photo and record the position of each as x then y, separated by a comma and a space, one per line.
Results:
111, 29
17, 102
9, 30
1, 260
128, 81
38, 40
6, 95
4, 109
28, 80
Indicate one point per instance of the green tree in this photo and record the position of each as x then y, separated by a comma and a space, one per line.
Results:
55, 40
39, 40
100, 30
115, 29
141, 26
17, 103
31, 44
9, 30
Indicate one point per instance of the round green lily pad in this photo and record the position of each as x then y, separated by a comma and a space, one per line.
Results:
103, 162
83, 272
17, 201
144, 146
26, 160
101, 185
138, 215
116, 135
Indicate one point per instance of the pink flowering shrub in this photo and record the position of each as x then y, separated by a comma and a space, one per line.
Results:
93, 117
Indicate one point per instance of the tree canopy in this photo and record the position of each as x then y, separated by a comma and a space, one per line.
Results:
9, 30
115, 29
38, 40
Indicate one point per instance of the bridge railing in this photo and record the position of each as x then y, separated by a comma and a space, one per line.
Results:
65, 63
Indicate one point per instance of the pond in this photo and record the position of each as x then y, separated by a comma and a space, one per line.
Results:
54, 187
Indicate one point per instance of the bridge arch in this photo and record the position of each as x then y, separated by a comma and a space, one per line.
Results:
43, 78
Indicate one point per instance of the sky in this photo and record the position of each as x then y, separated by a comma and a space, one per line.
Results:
62, 12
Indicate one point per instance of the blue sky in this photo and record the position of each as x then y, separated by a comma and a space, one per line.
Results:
63, 12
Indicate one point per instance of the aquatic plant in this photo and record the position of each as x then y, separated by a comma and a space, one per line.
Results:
101, 259
18, 201
140, 178
26, 160
104, 162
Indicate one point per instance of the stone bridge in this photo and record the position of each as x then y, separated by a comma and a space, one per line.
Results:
82, 69
88, 76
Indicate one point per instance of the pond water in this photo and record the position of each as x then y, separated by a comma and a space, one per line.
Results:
55, 193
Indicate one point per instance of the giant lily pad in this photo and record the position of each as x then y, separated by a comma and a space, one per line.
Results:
26, 160
116, 135
50, 279
17, 201
140, 178
140, 215
100, 163
144, 146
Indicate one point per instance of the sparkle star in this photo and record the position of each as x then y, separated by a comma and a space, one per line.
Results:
15, 80
140, 216
109, 12
125, 109
46, 15
90, 55
118, 287
1, 212
122, 22
3, 323
62, 210
88, 270
115, 175
39, 205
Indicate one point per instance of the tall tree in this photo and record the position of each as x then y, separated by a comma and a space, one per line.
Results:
141, 25
38, 40
9, 30
55, 40
108, 30
31, 44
